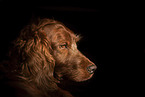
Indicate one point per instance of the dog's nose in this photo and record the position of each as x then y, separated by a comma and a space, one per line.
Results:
91, 69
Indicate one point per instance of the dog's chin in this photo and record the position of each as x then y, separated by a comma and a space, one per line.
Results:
80, 79
74, 79
84, 79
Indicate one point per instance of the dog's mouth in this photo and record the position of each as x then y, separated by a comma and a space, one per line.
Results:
77, 76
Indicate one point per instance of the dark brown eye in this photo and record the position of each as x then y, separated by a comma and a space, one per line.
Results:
63, 46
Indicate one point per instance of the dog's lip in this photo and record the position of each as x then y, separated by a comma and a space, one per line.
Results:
89, 77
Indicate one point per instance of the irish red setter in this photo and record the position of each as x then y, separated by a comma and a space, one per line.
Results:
44, 54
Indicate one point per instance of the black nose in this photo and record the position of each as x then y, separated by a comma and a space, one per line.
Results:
91, 69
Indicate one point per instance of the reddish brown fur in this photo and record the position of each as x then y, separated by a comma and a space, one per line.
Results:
45, 48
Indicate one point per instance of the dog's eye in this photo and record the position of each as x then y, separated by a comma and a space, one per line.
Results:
63, 46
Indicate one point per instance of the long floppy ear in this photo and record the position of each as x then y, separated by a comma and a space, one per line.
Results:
37, 63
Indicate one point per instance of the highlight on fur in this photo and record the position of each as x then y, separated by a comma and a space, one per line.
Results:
44, 53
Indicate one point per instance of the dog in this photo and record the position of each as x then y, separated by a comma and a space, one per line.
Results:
43, 55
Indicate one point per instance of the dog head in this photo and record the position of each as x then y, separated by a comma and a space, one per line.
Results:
47, 50
69, 61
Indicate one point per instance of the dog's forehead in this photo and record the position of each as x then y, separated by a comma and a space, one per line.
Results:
59, 31
63, 32
66, 34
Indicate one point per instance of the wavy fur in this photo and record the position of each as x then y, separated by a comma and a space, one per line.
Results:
39, 53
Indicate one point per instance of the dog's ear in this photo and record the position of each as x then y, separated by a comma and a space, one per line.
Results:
37, 63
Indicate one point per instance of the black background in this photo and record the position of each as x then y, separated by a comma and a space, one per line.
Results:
107, 38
